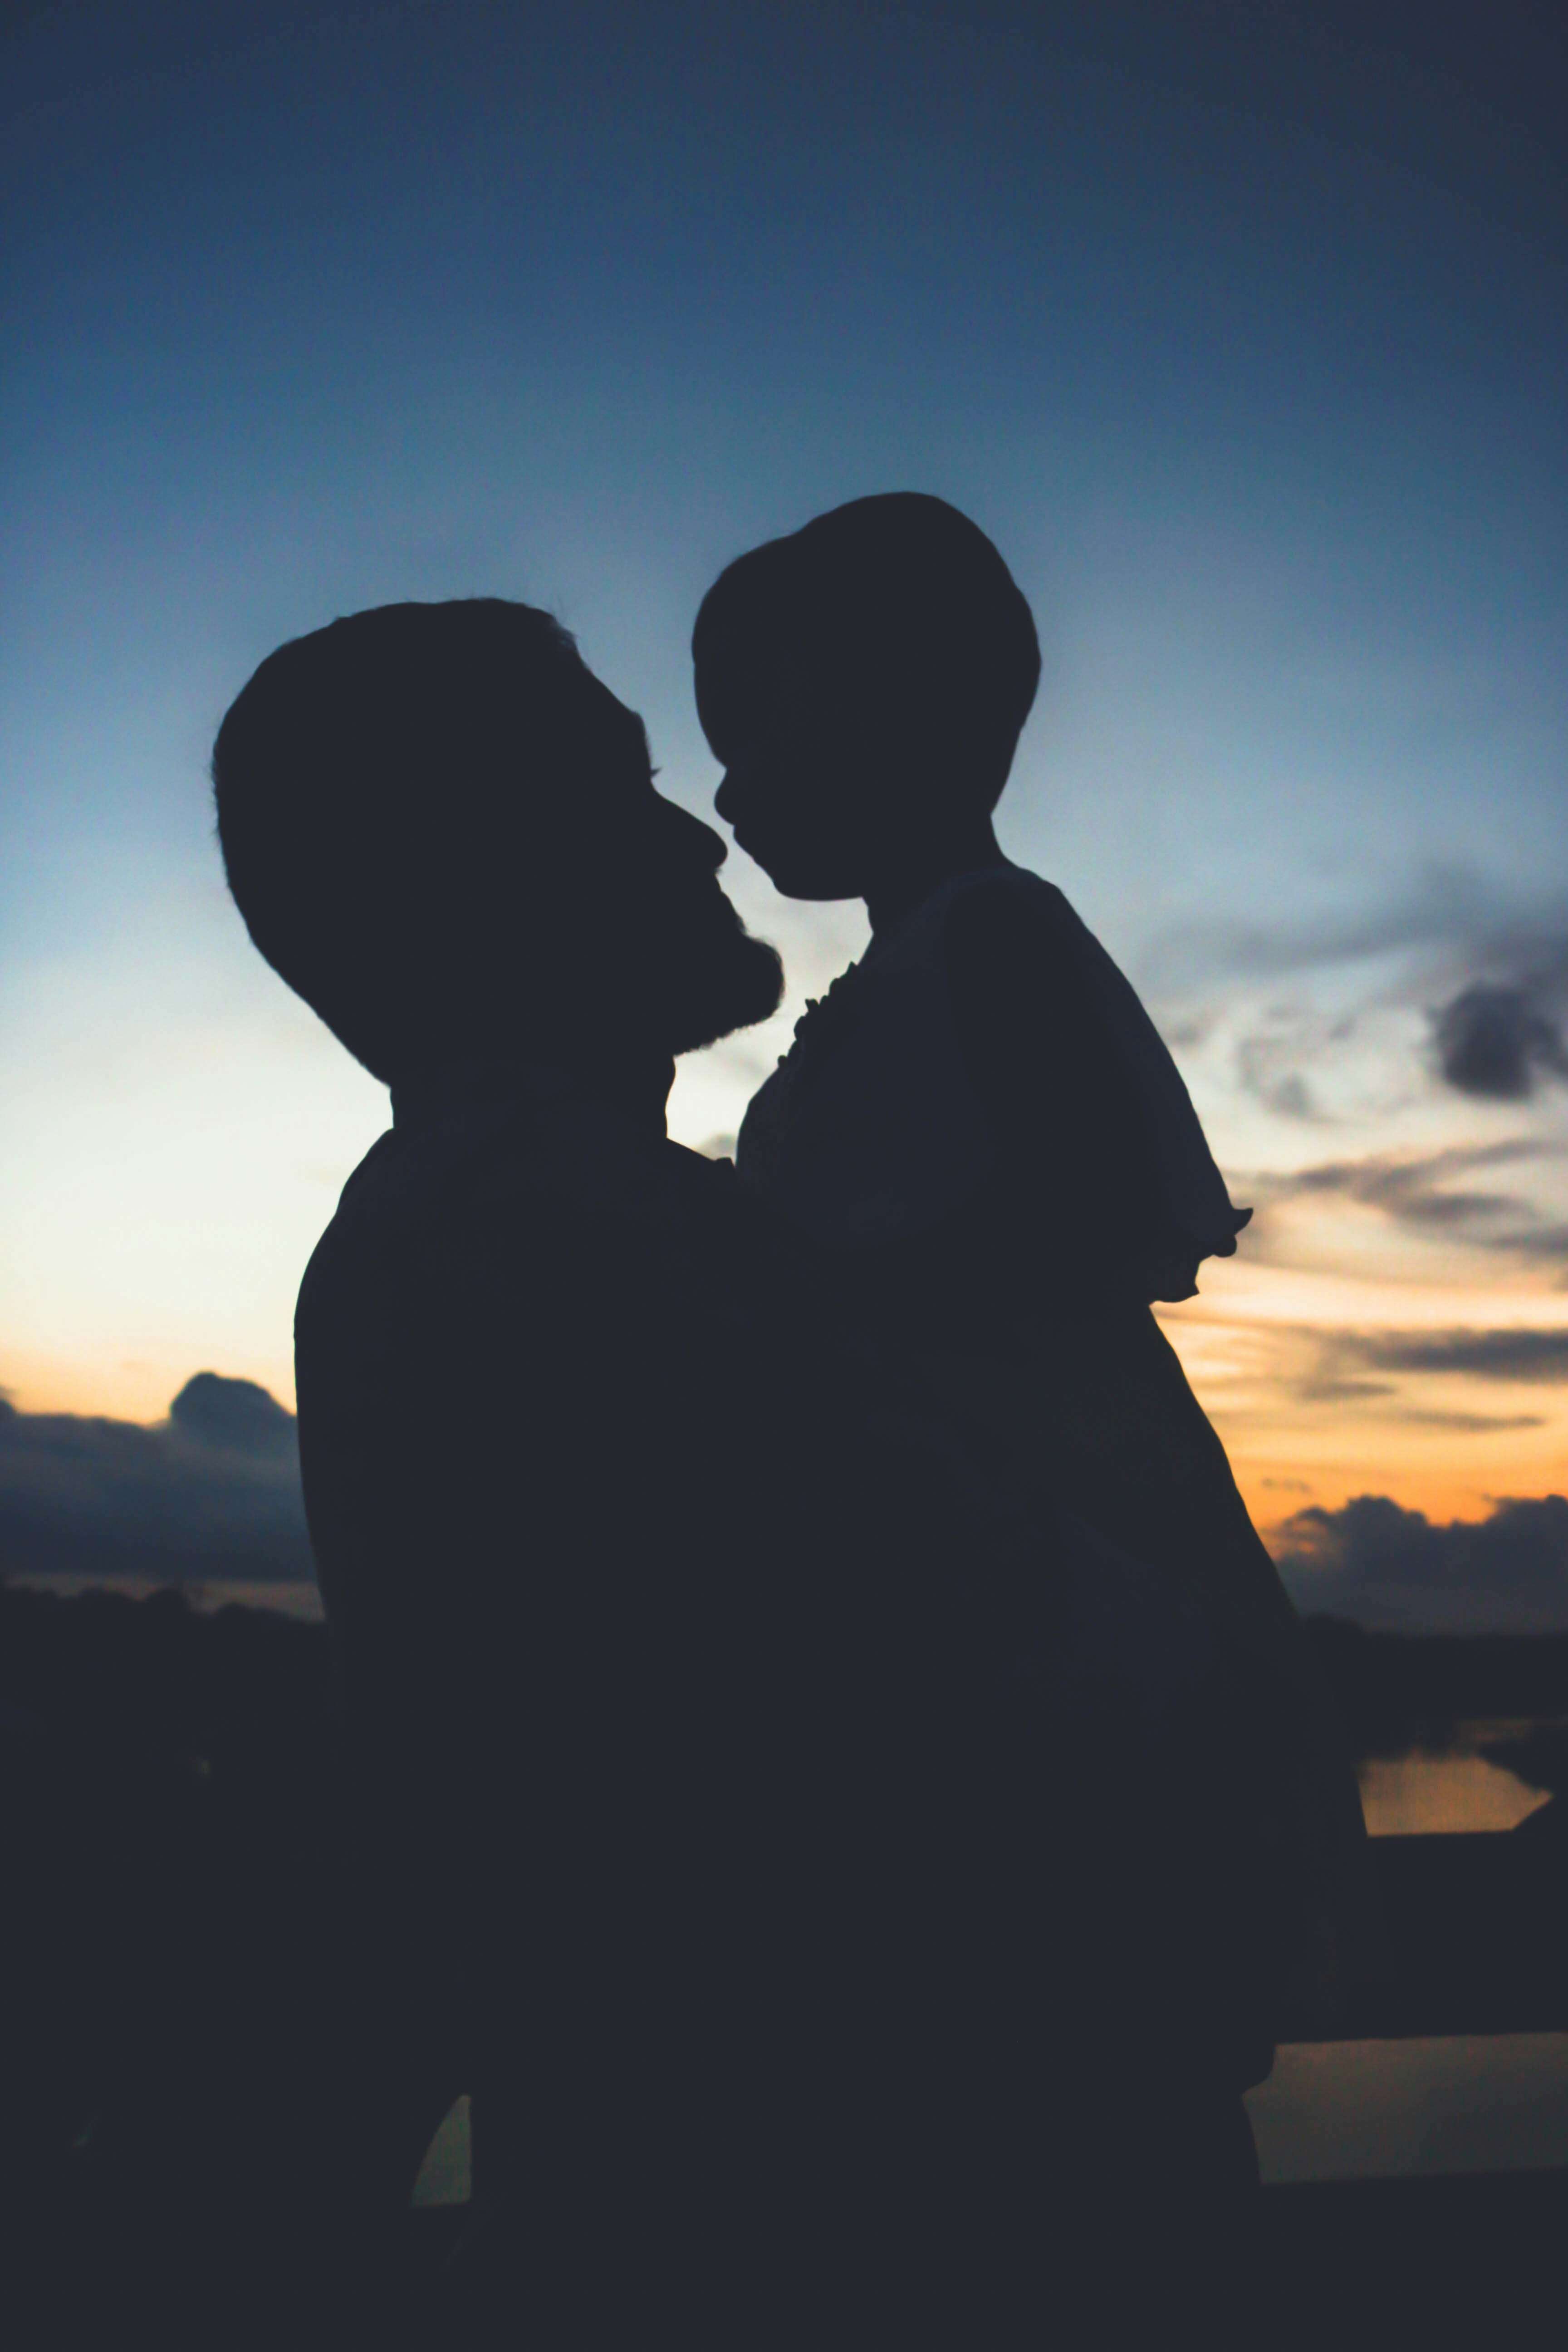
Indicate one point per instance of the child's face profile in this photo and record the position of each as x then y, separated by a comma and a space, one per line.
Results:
799, 792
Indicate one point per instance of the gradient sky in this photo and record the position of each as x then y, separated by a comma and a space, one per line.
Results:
1254, 361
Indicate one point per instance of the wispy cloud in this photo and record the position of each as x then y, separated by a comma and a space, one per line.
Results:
1365, 1369
1469, 1425
1491, 976
1506, 1355
1378, 1376
1446, 909
1417, 1193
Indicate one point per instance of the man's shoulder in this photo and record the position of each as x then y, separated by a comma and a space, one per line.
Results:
542, 1216
421, 1208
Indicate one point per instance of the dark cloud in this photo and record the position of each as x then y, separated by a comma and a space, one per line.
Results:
1369, 1369
1470, 1424
1543, 1242
1345, 1368
1498, 1042
237, 1416
1376, 1562
1498, 1033
1327, 1385
1509, 1354
213, 1491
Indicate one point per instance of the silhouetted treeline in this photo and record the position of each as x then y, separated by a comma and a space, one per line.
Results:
244, 1691
168, 1813
222, 1686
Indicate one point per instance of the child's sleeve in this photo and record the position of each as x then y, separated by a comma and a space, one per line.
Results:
1066, 1122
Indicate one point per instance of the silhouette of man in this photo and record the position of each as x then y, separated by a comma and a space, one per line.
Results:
533, 1400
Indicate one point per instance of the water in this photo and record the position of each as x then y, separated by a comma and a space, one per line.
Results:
1330, 2110
1397, 2110
1428, 1793
1360, 2110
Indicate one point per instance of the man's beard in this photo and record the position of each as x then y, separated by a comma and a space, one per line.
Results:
723, 980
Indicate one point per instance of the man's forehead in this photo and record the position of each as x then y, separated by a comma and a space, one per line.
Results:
624, 726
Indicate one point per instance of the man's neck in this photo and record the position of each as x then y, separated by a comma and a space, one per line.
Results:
634, 1081
915, 870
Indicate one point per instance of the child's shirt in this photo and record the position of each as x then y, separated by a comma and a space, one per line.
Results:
982, 1127
985, 1064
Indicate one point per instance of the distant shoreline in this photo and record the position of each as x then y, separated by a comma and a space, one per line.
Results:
204, 1594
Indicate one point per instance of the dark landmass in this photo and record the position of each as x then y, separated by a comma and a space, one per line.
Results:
172, 1839
1476, 1924
1395, 1692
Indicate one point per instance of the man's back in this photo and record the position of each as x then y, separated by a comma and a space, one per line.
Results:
530, 1413
509, 1323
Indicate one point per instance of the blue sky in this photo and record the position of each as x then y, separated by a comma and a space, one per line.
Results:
1266, 408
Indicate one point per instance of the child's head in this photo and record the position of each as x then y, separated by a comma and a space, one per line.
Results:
864, 681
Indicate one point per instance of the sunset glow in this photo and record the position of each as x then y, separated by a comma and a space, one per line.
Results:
1274, 445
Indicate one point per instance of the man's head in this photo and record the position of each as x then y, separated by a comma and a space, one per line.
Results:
863, 681
442, 832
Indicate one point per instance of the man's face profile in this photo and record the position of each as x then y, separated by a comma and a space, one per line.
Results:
698, 973
442, 830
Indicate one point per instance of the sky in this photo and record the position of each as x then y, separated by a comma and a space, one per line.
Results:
1250, 351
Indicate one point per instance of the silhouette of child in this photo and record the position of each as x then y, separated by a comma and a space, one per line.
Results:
979, 1122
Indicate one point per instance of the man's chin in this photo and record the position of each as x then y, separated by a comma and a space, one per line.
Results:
738, 987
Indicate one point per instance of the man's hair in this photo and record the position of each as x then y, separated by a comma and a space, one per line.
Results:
902, 616
381, 782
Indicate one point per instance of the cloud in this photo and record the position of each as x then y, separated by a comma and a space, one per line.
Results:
1264, 1064
1381, 1564
239, 1416
1470, 1424
1498, 1042
1447, 914
1509, 1354
1419, 1195
1404, 1187
213, 1491
1498, 1033
1349, 1366
1540, 1242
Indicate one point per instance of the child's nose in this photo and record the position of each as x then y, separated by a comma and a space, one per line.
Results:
745, 781
707, 848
